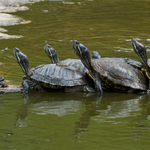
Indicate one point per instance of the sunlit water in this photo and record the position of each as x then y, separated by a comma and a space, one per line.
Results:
72, 121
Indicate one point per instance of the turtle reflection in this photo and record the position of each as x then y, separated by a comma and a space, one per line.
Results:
112, 108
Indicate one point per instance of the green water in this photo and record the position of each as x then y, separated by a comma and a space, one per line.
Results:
74, 121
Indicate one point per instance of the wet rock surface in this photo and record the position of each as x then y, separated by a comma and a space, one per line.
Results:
10, 89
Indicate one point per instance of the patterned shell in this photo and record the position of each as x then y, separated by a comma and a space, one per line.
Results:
118, 75
75, 63
58, 75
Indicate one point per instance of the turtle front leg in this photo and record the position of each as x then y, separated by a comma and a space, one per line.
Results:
26, 86
97, 82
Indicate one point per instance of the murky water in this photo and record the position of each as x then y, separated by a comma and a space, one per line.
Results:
64, 120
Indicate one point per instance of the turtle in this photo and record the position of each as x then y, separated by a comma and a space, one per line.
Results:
52, 54
115, 75
140, 50
51, 76
2, 84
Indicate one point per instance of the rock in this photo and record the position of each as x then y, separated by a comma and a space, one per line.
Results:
10, 88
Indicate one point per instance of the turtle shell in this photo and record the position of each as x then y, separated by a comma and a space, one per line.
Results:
119, 76
76, 63
57, 75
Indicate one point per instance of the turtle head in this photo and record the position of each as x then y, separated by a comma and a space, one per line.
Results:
83, 53
51, 53
22, 60
140, 50
95, 55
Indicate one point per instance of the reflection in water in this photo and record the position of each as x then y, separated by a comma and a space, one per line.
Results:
140, 124
43, 103
81, 126
109, 109
56, 107
121, 106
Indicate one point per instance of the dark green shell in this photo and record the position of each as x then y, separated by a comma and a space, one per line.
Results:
119, 76
75, 63
52, 74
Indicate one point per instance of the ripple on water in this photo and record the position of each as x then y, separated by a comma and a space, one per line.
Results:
8, 19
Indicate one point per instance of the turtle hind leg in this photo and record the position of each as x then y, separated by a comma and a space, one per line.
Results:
88, 89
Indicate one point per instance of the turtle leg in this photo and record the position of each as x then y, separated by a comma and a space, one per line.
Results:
97, 82
26, 86
89, 89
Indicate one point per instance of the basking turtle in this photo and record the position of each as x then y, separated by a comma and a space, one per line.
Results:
2, 84
115, 75
52, 54
51, 76
140, 50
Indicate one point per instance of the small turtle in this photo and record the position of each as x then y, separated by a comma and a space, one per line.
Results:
115, 75
51, 76
140, 50
76, 63
2, 84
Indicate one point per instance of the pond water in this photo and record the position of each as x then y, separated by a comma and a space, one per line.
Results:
65, 121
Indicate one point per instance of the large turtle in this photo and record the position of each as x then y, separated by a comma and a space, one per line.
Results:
52, 54
115, 75
51, 76
140, 50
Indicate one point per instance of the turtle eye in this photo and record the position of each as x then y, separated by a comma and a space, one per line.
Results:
140, 48
77, 42
49, 46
